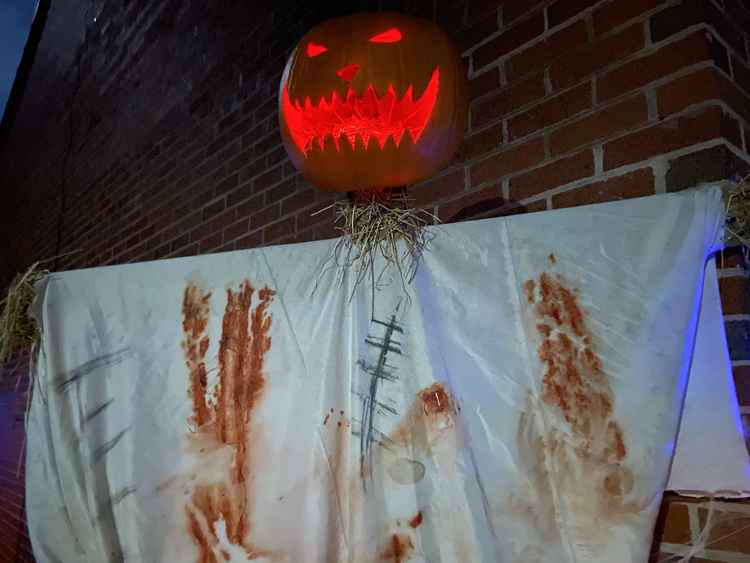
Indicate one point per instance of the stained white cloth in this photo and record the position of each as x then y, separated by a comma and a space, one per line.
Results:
519, 404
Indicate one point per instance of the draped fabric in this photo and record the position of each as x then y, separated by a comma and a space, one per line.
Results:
518, 402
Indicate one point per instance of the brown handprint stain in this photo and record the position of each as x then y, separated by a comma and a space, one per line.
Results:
223, 419
586, 447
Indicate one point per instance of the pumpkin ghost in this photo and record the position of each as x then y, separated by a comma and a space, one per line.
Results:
372, 100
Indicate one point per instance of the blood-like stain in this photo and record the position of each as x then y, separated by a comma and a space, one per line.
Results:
416, 521
195, 310
575, 384
435, 399
574, 380
399, 548
226, 421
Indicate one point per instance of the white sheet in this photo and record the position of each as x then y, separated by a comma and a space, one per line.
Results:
504, 425
710, 457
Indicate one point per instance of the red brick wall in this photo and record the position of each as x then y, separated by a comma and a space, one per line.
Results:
148, 128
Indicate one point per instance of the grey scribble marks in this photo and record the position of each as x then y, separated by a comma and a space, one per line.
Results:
106, 447
165, 484
105, 507
378, 371
65, 380
96, 411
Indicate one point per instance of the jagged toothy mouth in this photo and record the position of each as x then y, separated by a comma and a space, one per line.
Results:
362, 116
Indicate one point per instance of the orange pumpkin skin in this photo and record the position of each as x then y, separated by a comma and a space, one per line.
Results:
372, 100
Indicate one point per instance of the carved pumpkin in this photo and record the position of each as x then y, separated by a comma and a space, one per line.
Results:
372, 100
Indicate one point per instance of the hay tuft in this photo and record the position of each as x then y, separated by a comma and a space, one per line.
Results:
738, 213
17, 328
376, 223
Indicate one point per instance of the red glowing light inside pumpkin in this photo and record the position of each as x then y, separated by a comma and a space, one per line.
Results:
313, 49
348, 72
392, 35
362, 117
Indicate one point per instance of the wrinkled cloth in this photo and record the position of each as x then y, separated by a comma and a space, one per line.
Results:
518, 402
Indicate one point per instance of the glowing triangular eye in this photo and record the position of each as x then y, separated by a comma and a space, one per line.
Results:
313, 49
392, 35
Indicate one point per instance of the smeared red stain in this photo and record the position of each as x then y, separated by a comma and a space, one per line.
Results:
203, 539
575, 383
574, 380
435, 399
195, 309
242, 348
416, 521
552, 258
528, 290
338, 424
225, 555
325, 420
399, 549
433, 411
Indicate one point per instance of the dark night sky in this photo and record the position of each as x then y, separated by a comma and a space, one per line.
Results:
15, 21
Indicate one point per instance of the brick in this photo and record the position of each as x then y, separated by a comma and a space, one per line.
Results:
299, 200
265, 216
484, 83
240, 194
742, 384
699, 86
550, 111
476, 32
635, 184
226, 185
563, 10
477, 9
211, 243
442, 187
453, 12
267, 179
311, 217
675, 523
600, 125
278, 230
552, 175
676, 18
251, 206
237, 229
614, 14
253, 240
741, 74
507, 100
541, 54
667, 136
693, 12
577, 65
669, 58
729, 529
514, 159
509, 40
514, 9
738, 339
280, 191
735, 295
484, 141
214, 209
706, 165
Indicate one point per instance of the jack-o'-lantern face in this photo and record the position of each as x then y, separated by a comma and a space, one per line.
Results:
372, 100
